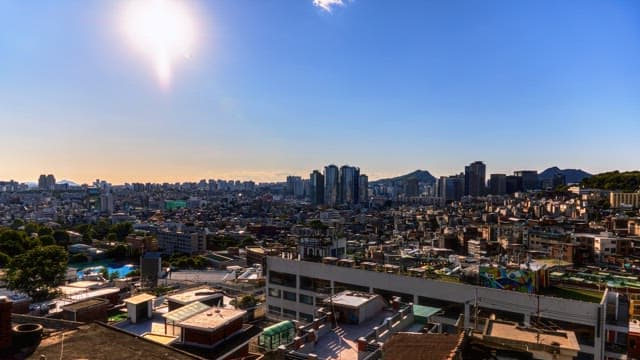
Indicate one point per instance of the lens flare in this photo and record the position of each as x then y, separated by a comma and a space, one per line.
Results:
162, 30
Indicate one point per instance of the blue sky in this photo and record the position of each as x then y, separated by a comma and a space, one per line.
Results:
276, 87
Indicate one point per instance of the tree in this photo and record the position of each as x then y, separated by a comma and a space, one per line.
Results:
121, 230
61, 237
47, 240
118, 252
31, 228
17, 224
45, 230
4, 259
245, 302
38, 271
13, 242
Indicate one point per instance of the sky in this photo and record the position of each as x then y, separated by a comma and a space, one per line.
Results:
264, 89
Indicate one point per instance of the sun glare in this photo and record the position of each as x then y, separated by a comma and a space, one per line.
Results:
163, 30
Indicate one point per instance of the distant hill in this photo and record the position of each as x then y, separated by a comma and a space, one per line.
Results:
422, 176
68, 182
573, 176
614, 180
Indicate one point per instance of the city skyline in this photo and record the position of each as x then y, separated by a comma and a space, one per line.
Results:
270, 89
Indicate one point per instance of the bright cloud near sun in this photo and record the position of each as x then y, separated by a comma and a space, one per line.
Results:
162, 30
327, 5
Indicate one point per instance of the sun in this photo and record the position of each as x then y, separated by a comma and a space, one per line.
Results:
162, 30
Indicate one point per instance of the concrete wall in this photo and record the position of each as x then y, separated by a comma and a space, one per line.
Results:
567, 310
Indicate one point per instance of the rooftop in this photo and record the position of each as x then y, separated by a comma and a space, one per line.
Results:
511, 331
198, 294
98, 341
139, 299
85, 304
212, 318
352, 299
417, 346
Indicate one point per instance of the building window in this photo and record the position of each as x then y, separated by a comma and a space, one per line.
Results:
274, 310
289, 296
274, 292
315, 285
289, 313
283, 279
306, 317
306, 299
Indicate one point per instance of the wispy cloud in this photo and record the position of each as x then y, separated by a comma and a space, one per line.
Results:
327, 5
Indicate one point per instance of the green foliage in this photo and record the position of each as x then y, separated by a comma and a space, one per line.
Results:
247, 241
121, 230
133, 273
47, 240
13, 242
87, 233
118, 252
217, 243
79, 258
31, 228
61, 237
182, 261
17, 223
114, 275
626, 181
38, 271
101, 229
4, 259
318, 225
45, 230
245, 302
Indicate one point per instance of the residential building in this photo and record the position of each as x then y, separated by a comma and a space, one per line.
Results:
498, 184
331, 185
619, 200
529, 179
172, 242
475, 179
316, 180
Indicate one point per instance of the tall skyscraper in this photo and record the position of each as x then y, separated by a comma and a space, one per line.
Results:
317, 188
514, 184
47, 182
411, 187
498, 184
331, 187
295, 186
363, 187
451, 188
349, 185
529, 179
475, 179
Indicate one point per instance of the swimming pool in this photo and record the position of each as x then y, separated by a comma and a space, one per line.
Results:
121, 270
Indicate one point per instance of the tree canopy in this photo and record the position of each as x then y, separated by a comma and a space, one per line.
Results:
38, 271
621, 181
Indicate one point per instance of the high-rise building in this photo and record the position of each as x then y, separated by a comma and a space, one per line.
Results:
46, 182
451, 188
514, 184
411, 187
529, 179
295, 186
363, 187
331, 185
316, 180
349, 185
475, 179
498, 184
106, 203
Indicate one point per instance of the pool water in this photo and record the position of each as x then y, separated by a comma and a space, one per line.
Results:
121, 270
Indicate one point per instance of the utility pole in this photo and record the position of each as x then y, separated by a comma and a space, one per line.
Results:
475, 311
538, 320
